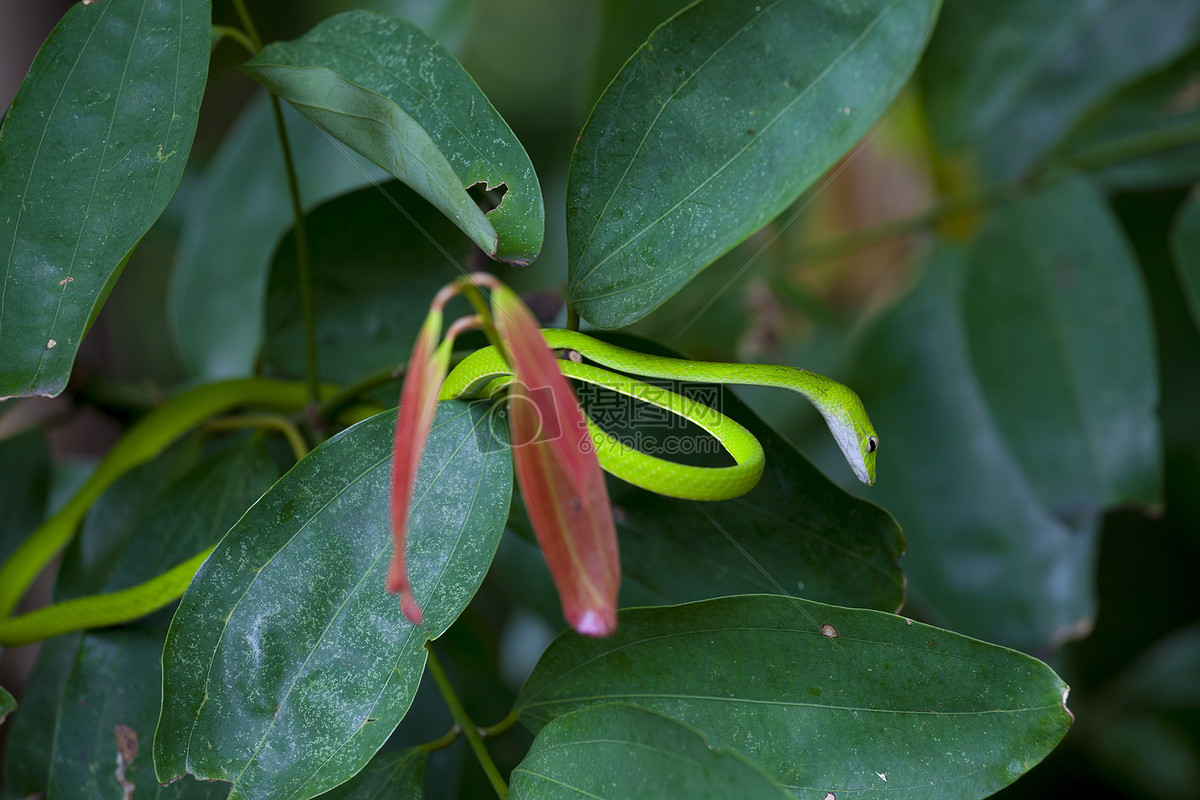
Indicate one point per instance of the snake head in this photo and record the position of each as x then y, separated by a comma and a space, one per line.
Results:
851, 428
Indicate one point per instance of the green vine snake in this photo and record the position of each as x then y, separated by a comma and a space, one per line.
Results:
484, 372
479, 374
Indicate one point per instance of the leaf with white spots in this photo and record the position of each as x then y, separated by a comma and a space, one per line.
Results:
886, 705
90, 152
287, 665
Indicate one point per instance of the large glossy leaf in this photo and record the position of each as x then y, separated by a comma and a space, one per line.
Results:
399, 775
24, 481
150, 520
974, 523
233, 224
374, 269
384, 87
90, 152
625, 751
1185, 247
722, 118
1061, 339
1009, 79
288, 665
824, 699
1144, 136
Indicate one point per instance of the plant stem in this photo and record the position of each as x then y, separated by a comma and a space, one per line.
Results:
442, 742
237, 35
501, 726
465, 724
300, 235
276, 422
572, 319
304, 273
248, 25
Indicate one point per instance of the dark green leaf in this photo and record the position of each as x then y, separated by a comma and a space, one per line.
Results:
972, 519
1151, 714
399, 775
1146, 135
24, 481
116, 675
375, 268
30, 734
722, 118
233, 224
624, 751
823, 699
1010, 79
1185, 247
288, 665
384, 87
1060, 337
90, 152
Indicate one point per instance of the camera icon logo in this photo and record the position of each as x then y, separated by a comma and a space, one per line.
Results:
537, 404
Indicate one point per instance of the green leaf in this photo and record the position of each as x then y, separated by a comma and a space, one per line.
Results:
1185, 247
385, 88
1144, 136
624, 751
374, 270
288, 665
235, 220
24, 482
823, 699
1009, 79
1149, 716
399, 775
724, 116
90, 152
1061, 339
30, 735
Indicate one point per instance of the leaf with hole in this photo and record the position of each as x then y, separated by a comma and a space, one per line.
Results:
90, 152
714, 126
385, 88
287, 664
858, 701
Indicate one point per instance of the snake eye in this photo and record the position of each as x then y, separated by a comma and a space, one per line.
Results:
872, 444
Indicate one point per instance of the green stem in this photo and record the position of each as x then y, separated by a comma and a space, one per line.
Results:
276, 422
572, 319
303, 270
237, 36
144, 441
501, 726
1130, 147
248, 25
298, 230
351, 392
442, 742
465, 724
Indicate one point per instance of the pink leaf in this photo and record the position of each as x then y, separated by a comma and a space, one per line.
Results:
559, 474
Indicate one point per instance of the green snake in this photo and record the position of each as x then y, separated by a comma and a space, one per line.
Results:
480, 374
484, 372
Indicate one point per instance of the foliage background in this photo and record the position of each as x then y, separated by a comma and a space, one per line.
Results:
1005, 87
